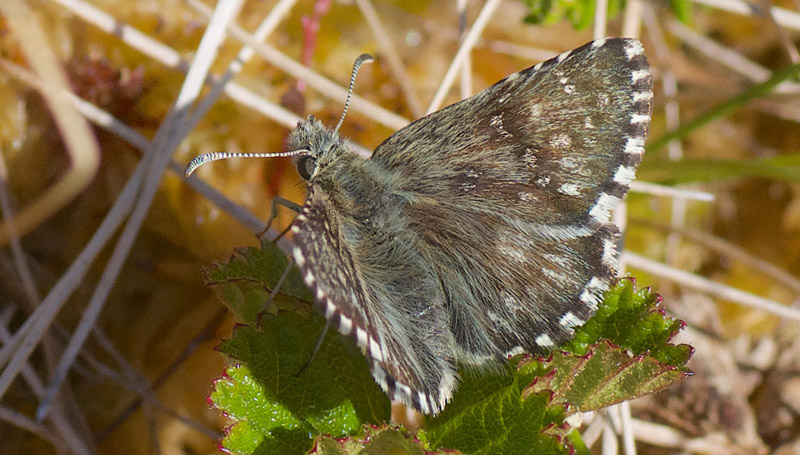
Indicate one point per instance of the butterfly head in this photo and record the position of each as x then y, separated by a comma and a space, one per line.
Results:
313, 145
318, 147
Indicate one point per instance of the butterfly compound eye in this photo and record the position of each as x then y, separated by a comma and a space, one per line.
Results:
306, 165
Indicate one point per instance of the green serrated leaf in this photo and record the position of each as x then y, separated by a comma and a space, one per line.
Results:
605, 376
519, 407
373, 441
261, 424
263, 266
334, 394
501, 423
499, 411
634, 321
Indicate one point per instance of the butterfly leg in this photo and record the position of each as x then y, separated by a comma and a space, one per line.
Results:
316, 348
277, 200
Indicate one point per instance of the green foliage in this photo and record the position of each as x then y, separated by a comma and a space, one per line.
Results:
728, 107
785, 168
581, 13
332, 405
385, 440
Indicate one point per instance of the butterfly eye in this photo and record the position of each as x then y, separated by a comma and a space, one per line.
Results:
306, 165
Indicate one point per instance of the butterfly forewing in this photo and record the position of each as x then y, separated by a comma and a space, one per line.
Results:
482, 229
517, 217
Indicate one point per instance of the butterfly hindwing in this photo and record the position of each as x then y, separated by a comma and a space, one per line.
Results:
369, 282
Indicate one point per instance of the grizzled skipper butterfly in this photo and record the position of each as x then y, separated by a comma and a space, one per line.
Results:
479, 231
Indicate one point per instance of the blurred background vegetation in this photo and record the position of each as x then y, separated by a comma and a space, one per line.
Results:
140, 382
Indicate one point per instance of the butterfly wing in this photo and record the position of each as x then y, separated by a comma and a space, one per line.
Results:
510, 191
372, 283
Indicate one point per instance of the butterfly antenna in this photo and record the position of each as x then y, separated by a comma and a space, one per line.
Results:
363, 58
209, 157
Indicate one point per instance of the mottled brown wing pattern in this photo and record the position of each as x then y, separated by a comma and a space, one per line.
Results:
482, 229
373, 285
518, 219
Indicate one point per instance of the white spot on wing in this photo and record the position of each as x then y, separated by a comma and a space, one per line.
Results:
330, 309
405, 390
380, 376
309, 278
591, 293
599, 43
299, 259
640, 118
555, 276
634, 146
561, 140
602, 207
609, 253
570, 189
596, 284
295, 229
639, 75
588, 298
536, 111
569, 320
497, 123
509, 301
375, 350
642, 96
361, 338
566, 232
544, 340
423, 403
557, 259
511, 252
624, 175
633, 49
345, 325
512, 77
564, 56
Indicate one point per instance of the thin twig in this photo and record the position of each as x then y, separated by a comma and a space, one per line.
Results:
701, 284
655, 189
111, 124
731, 251
600, 17
74, 130
782, 16
392, 57
727, 57
166, 140
466, 47
321, 84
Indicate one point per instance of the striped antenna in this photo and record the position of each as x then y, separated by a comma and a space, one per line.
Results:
359, 61
209, 157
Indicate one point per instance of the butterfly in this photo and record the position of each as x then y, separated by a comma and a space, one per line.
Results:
481, 230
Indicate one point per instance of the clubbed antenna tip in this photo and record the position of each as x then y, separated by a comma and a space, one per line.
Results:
363, 58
